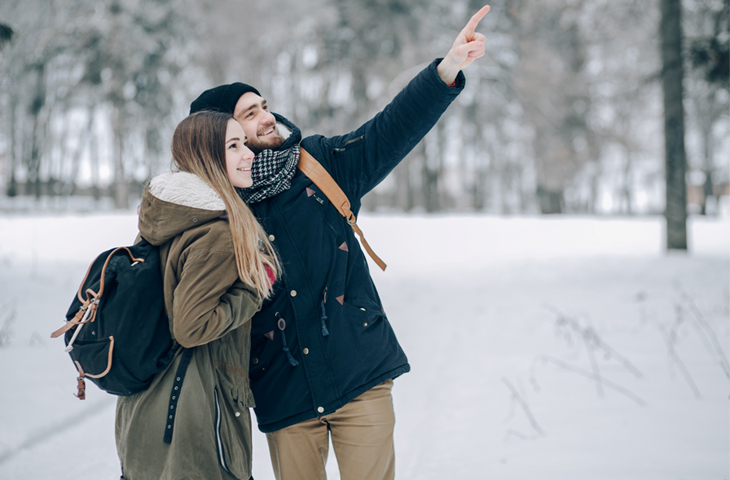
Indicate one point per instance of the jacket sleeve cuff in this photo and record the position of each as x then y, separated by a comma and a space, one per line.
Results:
458, 84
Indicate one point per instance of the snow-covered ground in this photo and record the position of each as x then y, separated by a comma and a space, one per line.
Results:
550, 348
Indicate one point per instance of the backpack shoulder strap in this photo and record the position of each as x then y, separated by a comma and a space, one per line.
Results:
310, 167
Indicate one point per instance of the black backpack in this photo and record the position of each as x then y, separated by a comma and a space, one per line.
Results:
117, 331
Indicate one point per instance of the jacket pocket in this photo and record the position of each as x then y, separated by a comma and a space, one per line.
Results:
363, 312
234, 380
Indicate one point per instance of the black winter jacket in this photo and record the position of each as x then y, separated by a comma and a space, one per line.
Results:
323, 338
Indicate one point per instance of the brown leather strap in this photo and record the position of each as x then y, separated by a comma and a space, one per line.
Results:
108, 362
92, 298
80, 383
320, 177
71, 323
103, 274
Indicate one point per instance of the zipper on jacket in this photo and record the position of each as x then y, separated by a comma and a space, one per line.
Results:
218, 439
323, 318
353, 140
324, 215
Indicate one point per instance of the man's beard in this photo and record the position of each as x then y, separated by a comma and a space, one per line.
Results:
274, 143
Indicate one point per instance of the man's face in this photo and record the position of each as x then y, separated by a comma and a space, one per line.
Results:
252, 113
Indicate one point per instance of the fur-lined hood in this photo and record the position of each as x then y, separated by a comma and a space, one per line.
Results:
174, 202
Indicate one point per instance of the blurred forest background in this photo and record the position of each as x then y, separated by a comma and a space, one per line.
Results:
563, 115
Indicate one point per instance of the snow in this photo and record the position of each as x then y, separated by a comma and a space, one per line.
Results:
504, 320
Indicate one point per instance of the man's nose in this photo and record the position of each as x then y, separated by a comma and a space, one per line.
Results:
269, 118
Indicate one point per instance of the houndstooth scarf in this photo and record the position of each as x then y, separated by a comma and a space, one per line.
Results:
272, 171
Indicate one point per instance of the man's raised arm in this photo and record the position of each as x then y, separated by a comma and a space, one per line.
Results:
367, 155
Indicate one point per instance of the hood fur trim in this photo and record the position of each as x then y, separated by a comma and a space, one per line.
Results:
186, 189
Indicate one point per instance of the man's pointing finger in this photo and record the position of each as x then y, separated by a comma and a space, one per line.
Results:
474, 21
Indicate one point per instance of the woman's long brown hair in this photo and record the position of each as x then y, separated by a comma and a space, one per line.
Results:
198, 147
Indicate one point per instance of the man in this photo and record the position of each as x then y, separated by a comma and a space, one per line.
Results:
323, 354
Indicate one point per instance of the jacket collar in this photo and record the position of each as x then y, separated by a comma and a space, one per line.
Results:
187, 190
175, 202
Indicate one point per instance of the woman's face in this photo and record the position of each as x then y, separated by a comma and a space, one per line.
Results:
238, 156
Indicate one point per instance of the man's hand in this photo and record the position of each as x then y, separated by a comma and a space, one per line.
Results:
467, 47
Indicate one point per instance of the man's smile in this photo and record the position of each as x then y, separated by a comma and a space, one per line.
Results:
268, 131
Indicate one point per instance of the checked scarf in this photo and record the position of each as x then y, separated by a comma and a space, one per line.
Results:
272, 171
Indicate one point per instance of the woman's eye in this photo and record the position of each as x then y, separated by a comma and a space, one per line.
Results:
232, 146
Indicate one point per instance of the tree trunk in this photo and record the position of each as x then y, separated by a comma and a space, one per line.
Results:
676, 191
708, 150
626, 191
121, 188
12, 188
551, 201
432, 169
38, 101
404, 189
94, 160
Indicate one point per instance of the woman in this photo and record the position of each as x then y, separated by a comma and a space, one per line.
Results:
218, 266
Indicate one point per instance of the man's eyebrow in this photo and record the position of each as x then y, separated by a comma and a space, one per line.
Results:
250, 107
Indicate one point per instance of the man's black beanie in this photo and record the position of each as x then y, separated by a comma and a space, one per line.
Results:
222, 98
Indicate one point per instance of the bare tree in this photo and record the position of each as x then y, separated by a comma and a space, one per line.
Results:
556, 98
675, 157
117, 63
6, 35
552, 120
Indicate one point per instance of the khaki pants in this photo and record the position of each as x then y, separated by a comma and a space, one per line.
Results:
362, 437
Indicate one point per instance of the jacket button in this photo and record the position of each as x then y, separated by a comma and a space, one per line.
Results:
365, 324
195, 220
293, 293
362, 309
238, 414
305, 351
320, 409
272, 238
255, 361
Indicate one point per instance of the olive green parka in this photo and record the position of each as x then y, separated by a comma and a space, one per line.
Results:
209, 310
